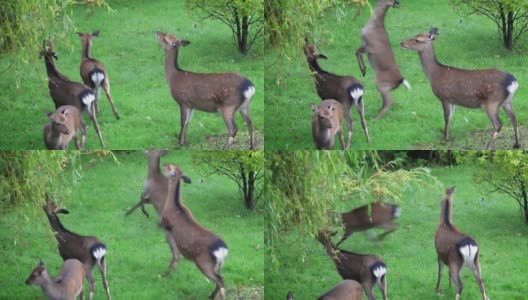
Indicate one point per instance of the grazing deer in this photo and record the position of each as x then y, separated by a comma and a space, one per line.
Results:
64, 125
155, 193
225, 93
490, 89
93, 72
87, 249
455, 249
63, 91
376, 44
345, 290
67, 286
326, 122
198, 244
368, 270
381, 214
346, 89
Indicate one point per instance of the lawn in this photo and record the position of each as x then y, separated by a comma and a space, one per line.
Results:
494, 221
134, 58
137, 250
416, 119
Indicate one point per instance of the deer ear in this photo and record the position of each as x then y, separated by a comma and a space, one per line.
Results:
41, 262
80, 34
164, 152
184, 43
315, 108
322, 56
95, 33
62, 211
186, 179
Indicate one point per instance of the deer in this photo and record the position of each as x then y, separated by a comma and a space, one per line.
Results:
89, 250
64, 91
67, 286
346, 89
490, 89
155, 193
455, 249
376, 44
326, 123
380, 214
345, 290
93, 72
368, 270
196, 243
64, 125
225, 93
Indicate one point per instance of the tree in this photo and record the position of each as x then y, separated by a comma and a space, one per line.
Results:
501, 171
510, 16
245, 168
245, 18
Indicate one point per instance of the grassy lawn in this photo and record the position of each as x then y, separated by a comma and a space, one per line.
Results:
416, 119
127, 45
137, 250
410, 254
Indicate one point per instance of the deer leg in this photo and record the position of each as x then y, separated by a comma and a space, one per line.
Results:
449, 110
229, 118
454, 271
361, 110
97, 95
390, 227
207, 266
347, 108
106, 87
142, 200
367, 287
186, 116
385, 91
89, 276
383, 286
507, 106
83, 134
493, 114
478, 277
81, 294
175, 254
102, 266
244, 111
93, 116
440, 273
359, 52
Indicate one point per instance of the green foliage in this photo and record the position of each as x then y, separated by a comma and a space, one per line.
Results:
244, 168
510, 16
503, 171
303, 188
245, 18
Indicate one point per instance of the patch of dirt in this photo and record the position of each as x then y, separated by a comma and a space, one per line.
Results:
245, 293
241, 141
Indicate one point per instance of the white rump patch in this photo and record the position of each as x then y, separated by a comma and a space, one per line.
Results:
356, 94
468, 253
249, 92
99, 253
87, 100
379, 272
98, 77
220, 254
512, 88
397, 212
407, 84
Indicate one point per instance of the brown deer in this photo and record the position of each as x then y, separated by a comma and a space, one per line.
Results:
67, 286
93, 72
87, 249
490, 89
455, 249
381, 214
64, 125
376, 44
368, 270
225, 93
198, 244
63, 91
345, 290
326, 123
345, 89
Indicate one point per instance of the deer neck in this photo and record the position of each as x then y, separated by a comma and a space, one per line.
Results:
153, 166
171, 61
50, 67
87, 47
57, 226
429, 62
379, 13
316, 68
446, 216
51, 288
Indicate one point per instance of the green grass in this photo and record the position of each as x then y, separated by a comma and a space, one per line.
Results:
416, 119
493, 221
137, 250
127, 45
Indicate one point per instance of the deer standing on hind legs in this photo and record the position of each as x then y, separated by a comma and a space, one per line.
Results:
93, 72
490, 89
63, 91
225, 93
455, 249
376, 44
345, 89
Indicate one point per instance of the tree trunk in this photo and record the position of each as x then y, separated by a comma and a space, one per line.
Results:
508, 39
242, 42
250, 201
